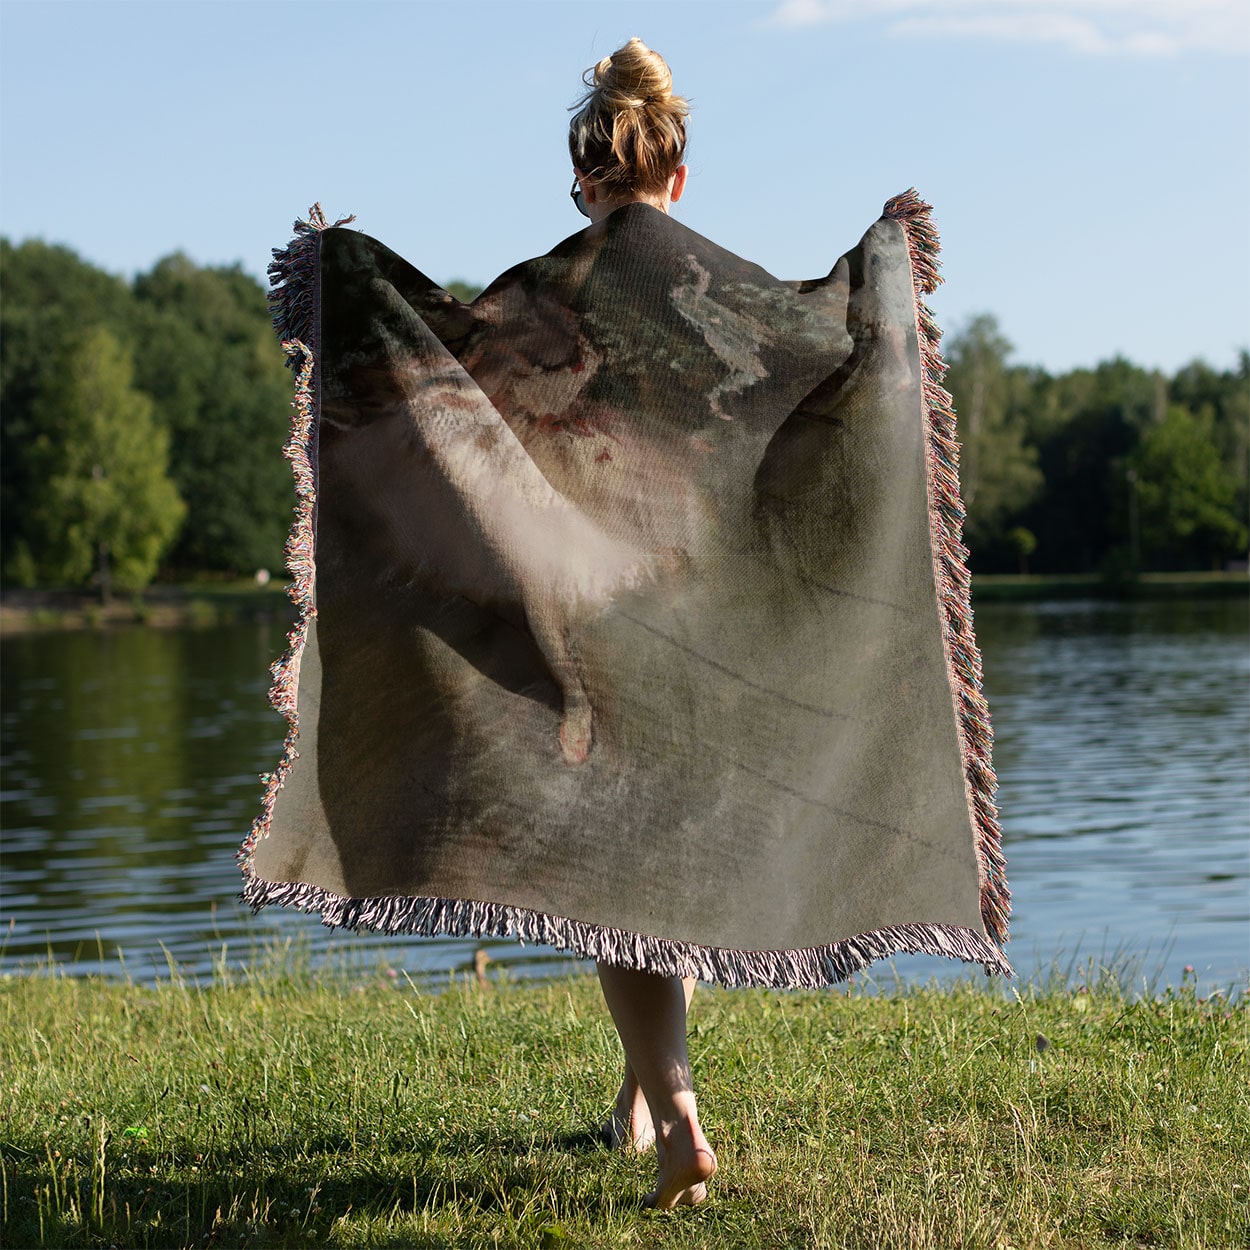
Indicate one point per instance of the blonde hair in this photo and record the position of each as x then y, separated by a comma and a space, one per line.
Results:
629, 131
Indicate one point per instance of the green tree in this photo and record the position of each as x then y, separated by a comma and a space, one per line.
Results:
1221, 398
465, 292
103, 506
1187, 493
1024, 543
1087, 423
207, 356
997, 467
50, 296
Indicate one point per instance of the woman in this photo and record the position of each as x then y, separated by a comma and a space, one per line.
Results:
628, 143
641, 622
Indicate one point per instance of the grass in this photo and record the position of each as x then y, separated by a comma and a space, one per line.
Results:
284, 1108
1000, 587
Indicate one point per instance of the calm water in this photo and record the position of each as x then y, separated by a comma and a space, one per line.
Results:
1123, 748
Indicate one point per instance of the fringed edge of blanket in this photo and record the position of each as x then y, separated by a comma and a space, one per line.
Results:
809, 968
294, 304
294, 276
950, 560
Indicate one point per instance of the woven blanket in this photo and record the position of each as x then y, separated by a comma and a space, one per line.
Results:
633, 612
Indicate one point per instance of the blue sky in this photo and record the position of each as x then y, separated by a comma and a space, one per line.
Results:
1089, 160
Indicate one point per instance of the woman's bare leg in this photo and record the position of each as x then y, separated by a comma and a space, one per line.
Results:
629, 1124
629, 1127
649, 1012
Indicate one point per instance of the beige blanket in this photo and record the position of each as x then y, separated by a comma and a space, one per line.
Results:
634, 615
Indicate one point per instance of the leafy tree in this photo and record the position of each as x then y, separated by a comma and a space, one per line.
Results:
1024, 543
1223, 400
102, 504
1087, 423
464, 291
50, 296
998, 468
1187, 493
208, 357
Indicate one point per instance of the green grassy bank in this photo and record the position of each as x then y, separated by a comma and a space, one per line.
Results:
283, 1110
163, 606
222, 602
997, 587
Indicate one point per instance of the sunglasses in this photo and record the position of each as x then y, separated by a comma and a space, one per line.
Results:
576, 196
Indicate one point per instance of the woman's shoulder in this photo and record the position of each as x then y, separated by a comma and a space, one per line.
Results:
634, 247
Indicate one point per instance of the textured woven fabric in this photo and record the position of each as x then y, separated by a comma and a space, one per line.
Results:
635, 619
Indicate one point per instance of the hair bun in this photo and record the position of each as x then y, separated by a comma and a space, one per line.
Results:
633, 77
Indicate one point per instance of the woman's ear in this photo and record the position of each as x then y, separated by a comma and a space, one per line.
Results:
678, 183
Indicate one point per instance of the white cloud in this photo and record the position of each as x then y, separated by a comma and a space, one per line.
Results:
1137, 28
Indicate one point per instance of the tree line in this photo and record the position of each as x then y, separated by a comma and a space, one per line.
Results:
141, 421
1114, 470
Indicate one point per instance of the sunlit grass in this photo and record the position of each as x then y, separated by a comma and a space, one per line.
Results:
279, 1107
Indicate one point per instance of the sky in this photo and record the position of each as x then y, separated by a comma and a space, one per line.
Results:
1088, 160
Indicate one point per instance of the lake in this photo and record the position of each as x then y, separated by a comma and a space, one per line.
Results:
131, 760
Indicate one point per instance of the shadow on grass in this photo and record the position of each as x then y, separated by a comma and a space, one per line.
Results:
294, 1194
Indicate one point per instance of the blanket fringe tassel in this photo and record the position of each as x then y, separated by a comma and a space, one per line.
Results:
950, 559
294, 303
811, 968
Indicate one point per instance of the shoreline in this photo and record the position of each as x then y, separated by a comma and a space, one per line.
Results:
202, 604
1035, 587
174, 606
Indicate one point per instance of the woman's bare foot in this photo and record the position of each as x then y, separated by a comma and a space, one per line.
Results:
686, 1165
629, 1126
